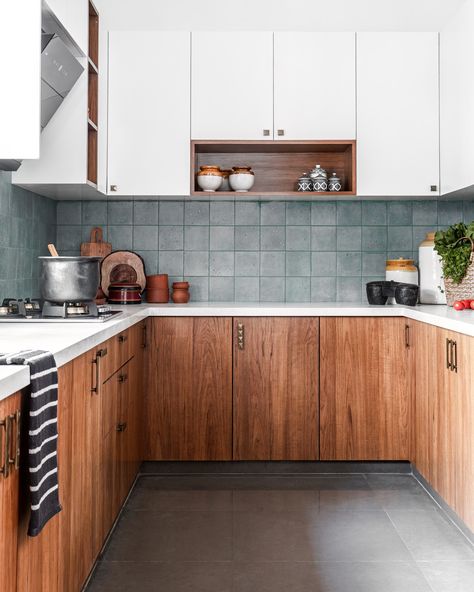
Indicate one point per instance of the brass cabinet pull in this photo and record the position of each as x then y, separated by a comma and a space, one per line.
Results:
3, 449
122, 338
281, 132
448, 354
240, 336
123, 377
454, 356
15, 458
407, 336
144, 336
121, 427
266, 132
6, 452
100, 354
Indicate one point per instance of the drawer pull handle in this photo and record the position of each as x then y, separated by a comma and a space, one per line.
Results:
240, 336
122, 338
100, 354
121, 427
123, 377
3, 449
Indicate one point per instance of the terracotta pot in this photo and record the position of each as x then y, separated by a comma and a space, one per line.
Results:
158, 281
158, 295
123, 293
180, 292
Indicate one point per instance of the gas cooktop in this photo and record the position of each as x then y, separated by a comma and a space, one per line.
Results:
29, 310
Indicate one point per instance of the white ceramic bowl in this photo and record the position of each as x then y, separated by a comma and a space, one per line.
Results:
241, 181
209, 182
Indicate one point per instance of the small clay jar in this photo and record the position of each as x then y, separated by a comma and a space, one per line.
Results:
180, 292
157, 281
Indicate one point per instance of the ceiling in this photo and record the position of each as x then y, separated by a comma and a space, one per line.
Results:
294, 15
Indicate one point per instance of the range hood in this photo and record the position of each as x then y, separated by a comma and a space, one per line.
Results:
60, 70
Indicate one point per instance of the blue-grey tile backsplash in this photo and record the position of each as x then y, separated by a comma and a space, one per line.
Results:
263, 251
27, 225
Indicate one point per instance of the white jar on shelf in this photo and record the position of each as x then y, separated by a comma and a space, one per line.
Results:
432, 289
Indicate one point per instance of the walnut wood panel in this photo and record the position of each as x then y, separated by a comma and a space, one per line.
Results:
365, 389
189, 389
93, 34
92, 155
278, 165
9, 505
276, 389
93, 96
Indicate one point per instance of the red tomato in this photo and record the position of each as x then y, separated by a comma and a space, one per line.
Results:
467, 303
472, 304
458, 305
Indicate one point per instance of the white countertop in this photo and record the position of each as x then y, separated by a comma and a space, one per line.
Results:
69, 340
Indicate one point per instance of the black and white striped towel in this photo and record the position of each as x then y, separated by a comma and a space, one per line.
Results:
42, 425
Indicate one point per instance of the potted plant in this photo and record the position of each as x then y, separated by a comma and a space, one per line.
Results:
455, 247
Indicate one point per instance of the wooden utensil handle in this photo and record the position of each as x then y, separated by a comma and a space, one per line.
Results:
52, 250
97, 235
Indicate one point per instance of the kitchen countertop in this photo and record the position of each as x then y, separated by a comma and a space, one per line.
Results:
69, 340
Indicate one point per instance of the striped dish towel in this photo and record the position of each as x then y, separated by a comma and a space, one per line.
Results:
42, 409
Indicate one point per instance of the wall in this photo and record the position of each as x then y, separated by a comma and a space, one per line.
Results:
263, 251
27, 225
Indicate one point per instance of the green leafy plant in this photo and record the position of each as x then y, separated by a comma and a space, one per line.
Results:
455, 253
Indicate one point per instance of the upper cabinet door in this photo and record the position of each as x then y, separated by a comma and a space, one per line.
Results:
397, 114
149, 113
315, 89
232, 86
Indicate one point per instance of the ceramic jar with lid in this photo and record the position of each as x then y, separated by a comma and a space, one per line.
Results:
432, 289
305, 183
319, 178
401, 270
241, 178
225, 180
180, 293
334, 183
209, 178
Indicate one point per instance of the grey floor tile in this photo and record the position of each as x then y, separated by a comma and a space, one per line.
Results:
349, 499
172, 536
328, 577
449, 576
162, 577
400, 492
430, 536
276, 500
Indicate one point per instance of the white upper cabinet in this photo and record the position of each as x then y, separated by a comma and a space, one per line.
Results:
315, 86
232, 86
20, 55
397, 114
149, 113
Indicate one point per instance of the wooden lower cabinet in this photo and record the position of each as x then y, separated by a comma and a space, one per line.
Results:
189, 389
9, 492
276, 388
365, 389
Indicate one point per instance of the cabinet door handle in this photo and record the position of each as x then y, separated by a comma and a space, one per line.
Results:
113, 188
144, 336
240, 336
454, 356
281, 132
448, 354
121, 427
100, 354
407, 336
122, 338
6, 452
123, 378
15, 458
266, 132
3, 449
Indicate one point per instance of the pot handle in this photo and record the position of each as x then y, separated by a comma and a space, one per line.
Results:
97, 235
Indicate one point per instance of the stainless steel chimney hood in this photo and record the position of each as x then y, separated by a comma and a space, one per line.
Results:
60, 70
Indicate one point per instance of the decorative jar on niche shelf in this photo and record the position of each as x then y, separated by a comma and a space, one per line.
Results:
209, 178
335, 183
319, 179
241, 178
305, 183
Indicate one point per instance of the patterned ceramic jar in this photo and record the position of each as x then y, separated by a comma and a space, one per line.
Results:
241, 179
320, 185
319, 178
209, 178
335, 183
305, 183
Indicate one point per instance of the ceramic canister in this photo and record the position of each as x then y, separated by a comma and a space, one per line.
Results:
335, 183
401, 270
431, 273
209, 178
225, 180
241, 178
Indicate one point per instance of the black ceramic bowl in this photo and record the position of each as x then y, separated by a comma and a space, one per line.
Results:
379, 292
406, 294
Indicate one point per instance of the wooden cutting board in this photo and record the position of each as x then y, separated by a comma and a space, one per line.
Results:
97, 247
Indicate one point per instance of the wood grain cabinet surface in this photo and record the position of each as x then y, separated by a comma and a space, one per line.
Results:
365, 389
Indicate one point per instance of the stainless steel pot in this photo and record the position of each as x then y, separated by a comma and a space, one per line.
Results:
69, 279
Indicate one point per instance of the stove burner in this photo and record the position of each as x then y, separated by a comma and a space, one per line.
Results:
30, 309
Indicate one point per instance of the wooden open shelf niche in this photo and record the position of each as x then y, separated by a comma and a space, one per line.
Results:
93, 95
277, 164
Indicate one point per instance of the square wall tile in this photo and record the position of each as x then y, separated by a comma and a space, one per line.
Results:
94, 213
400, 213
468, 211
349, 238
170, 238
171, 212
119, 212
298, 213
449, 212
323, 238
323, 263
425, 213
221, 289
145, 213
373, 264
68, 212
222, 238
273, 238
298, 289
349, 264
349, 213
348, 289
196, 213
272, 213
272, 263
247, 263
171, 262
323, 213
121, 237
298, 264
298, 238
400, 237
272, 289
247, 238
221, 263
222, 213
323, 289
374, 238
374, 213
196, 238
198, 288
145, 238
247, 289
195, 263
150, 259
247, 213
68, 238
